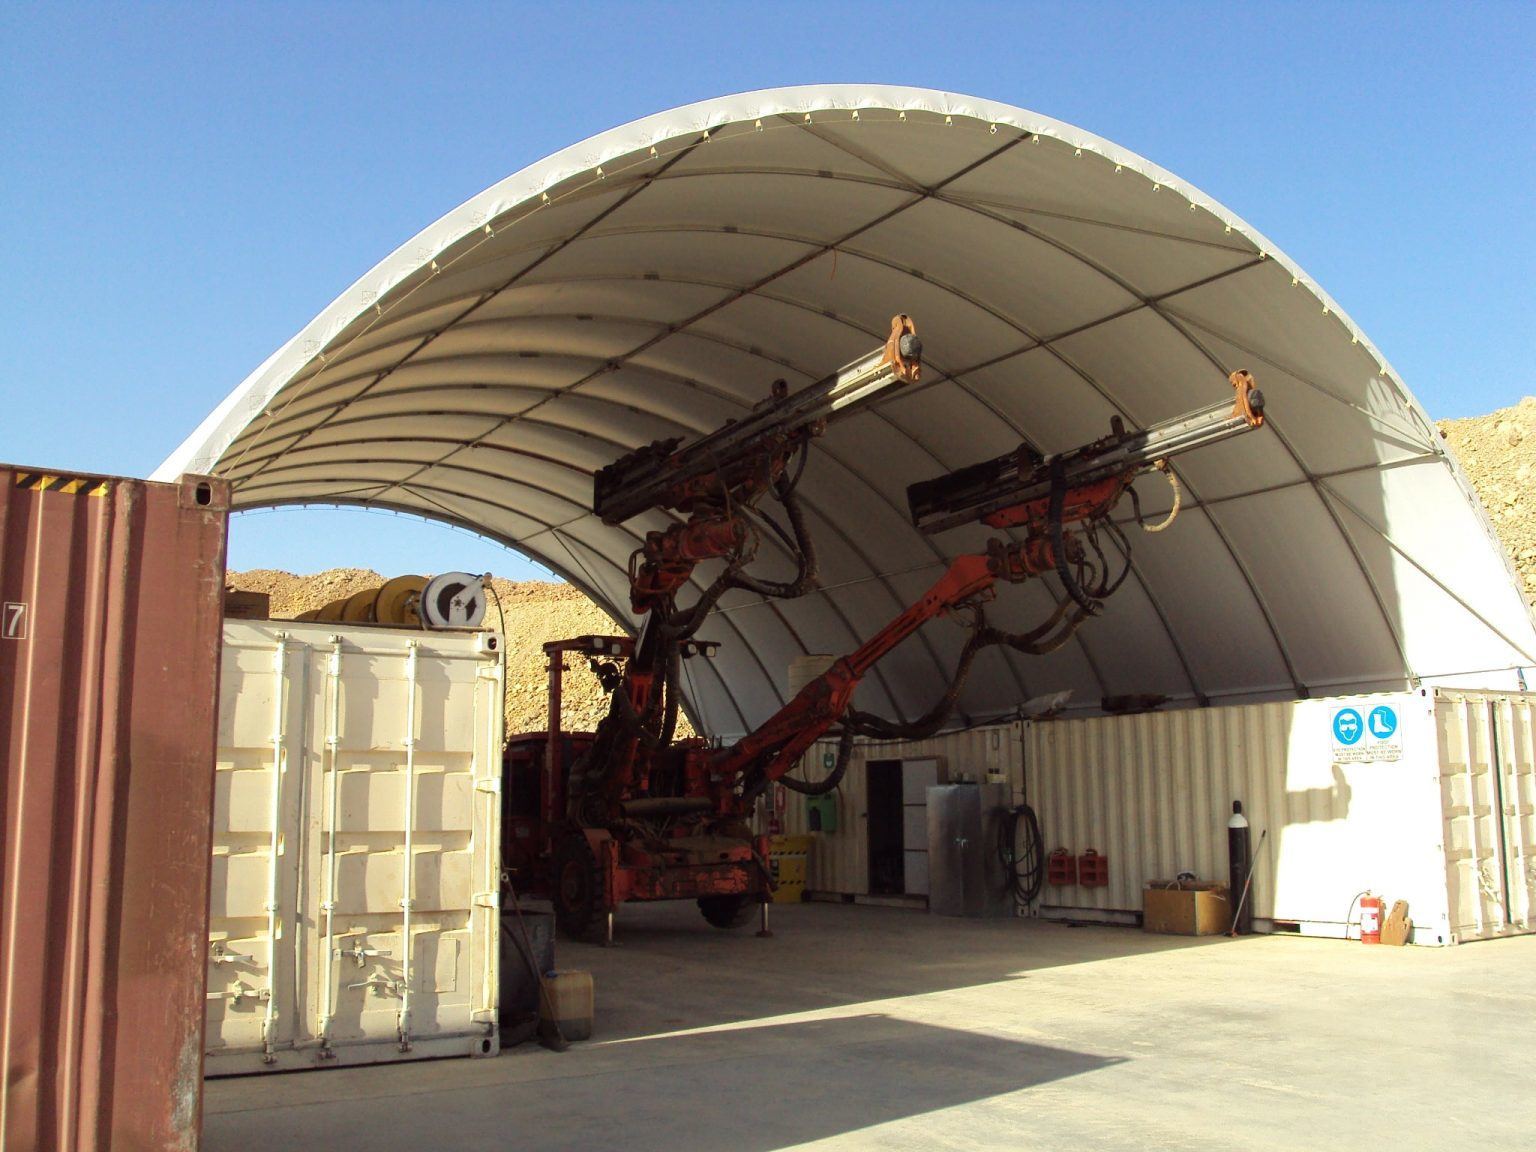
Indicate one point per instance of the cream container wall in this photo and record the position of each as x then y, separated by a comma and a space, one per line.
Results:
1424, 796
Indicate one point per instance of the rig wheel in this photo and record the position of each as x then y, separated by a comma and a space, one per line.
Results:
728, 911
580, 911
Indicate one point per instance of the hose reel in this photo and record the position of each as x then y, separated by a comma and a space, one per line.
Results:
452, 600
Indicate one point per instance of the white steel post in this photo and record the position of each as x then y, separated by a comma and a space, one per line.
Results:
486, 771
274, 848
406, 899
1511, 838
1477, 877
329, 977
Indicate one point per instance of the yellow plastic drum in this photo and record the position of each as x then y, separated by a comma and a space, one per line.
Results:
570, 1003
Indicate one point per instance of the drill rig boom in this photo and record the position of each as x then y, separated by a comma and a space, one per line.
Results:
1021, 489
990, 491
663, 475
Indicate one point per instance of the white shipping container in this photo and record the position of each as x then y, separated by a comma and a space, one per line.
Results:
1423, 796
356, 846
1440, 811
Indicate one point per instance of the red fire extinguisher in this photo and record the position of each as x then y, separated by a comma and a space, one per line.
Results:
1370, 919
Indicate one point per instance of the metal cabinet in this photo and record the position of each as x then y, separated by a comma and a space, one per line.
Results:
966, 878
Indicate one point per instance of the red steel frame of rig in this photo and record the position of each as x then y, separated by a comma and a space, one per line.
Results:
628, 812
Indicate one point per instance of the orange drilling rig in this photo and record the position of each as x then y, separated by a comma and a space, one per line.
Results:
628, 812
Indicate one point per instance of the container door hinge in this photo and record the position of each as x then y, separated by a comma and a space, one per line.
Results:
487, 899
491, 784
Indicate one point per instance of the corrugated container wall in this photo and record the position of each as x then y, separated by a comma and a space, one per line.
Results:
356, 846
1437, 808
110, 603
1434, 809
839, 861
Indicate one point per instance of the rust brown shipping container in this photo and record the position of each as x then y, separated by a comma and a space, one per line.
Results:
110, 607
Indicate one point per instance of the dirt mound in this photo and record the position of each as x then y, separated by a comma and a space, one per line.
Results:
535, 611
294, 594
1498, 454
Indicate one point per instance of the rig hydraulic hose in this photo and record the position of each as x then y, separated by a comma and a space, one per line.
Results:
834, 778
1054, 511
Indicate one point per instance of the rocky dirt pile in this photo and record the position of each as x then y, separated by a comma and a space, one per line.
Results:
294, 594
1498, 454
536, 611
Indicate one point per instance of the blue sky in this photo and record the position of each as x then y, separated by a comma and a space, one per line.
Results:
182, 187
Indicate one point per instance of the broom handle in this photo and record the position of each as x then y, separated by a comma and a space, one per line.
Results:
549, 1000
1247, 882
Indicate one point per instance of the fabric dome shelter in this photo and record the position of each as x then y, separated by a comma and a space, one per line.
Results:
654, 280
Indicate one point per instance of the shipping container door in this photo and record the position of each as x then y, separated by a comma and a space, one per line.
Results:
404, 851
252, 980
1516, 747
917, 776
1472, 788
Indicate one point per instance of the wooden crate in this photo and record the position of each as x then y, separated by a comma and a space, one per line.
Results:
1195, 909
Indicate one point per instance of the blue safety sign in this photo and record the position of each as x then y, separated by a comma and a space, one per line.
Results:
1365, 735
1383, 721
1347, 728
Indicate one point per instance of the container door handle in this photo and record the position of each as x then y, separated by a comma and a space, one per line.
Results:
239, 991
380, 983
360, 954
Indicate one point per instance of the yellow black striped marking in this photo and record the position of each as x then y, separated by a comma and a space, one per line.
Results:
70, 485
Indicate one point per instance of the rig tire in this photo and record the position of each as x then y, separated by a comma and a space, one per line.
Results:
728, 911
580, 909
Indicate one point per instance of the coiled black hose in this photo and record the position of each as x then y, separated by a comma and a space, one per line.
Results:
1024, 863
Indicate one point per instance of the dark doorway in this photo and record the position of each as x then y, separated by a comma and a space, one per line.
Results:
887, 873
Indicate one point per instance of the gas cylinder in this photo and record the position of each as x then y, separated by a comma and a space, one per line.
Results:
1370, 919
1239, 853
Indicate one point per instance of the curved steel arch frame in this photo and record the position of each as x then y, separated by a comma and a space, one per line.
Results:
894, 150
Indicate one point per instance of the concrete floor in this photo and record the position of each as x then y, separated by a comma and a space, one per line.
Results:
859, 1027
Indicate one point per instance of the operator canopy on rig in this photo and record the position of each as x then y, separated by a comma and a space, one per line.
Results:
654, 281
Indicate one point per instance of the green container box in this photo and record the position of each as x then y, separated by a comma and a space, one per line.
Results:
821, 813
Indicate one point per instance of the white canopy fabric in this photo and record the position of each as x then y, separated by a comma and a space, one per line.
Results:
654, 280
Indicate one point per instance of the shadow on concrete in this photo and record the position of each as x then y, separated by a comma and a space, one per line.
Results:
669, 970
750, 1089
